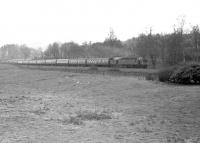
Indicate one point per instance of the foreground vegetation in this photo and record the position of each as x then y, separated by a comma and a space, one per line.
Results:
181, 74
54, 106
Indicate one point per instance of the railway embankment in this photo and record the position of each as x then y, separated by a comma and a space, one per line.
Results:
142, 73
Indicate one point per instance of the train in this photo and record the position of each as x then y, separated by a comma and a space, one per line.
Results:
121, 62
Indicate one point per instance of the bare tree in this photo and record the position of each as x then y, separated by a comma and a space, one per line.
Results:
26, 52
196, 41
147, 47
112, 41
175, 49
64, 50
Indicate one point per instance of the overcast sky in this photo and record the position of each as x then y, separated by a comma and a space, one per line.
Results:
37, 23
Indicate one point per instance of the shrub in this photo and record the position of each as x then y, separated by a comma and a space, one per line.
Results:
164, 74
188, 74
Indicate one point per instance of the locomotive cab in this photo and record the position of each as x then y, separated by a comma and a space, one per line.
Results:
127, 62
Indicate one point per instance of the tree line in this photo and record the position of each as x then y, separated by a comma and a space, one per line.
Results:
168, 49
158, 49
109, 48
14, 51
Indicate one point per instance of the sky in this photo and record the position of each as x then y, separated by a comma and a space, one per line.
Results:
38, 23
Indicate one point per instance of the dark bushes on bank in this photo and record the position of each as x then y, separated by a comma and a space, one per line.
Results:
180, 74
188, 74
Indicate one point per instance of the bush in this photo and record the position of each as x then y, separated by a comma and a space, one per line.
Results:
188, 74
164, 74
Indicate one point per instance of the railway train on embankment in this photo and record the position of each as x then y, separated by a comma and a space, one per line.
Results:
121, 62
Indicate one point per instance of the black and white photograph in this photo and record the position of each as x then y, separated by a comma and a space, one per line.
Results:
99, 71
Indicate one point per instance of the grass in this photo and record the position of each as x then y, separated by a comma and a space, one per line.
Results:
40, 111
93, 116
86, 116
75, 121
93, 67
114, 69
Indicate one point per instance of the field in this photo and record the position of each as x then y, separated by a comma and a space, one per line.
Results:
38, 106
